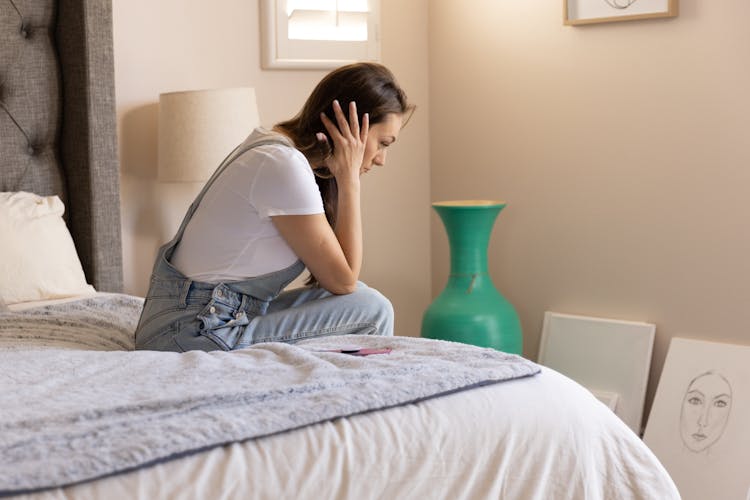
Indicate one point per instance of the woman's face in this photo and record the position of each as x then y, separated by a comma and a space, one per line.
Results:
381, 136
705, 411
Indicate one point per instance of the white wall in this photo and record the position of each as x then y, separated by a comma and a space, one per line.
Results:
174, 45
622, 150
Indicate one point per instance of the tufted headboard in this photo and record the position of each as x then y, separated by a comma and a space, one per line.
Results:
57, 120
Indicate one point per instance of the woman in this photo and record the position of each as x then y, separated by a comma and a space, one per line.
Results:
282, 201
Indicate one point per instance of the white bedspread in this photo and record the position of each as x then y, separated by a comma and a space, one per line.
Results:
541, 437
71, 415
538, 438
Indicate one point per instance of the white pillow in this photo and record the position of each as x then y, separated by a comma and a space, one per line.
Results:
38, 260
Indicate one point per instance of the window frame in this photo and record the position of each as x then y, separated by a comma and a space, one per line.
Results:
279, 52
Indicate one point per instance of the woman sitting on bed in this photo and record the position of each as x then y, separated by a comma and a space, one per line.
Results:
283, 200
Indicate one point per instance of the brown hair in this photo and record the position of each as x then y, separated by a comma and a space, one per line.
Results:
375, 90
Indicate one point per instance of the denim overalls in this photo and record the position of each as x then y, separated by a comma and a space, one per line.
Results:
181, 314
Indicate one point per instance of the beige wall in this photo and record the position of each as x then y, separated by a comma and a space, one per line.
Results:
622, 149
179, 45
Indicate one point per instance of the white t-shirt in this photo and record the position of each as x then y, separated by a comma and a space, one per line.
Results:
231, 236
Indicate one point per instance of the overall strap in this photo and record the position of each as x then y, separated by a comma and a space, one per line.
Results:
238, 151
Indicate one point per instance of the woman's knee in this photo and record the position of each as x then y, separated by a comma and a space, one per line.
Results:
379, 307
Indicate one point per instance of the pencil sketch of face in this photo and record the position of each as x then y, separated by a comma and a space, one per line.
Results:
620, 4
705, 410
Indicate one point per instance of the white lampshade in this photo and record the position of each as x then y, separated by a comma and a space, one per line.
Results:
199, 128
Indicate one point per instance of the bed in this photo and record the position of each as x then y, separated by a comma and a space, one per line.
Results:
84, 416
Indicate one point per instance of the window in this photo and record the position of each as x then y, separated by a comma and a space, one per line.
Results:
319, 34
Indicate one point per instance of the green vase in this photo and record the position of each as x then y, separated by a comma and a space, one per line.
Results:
470, 309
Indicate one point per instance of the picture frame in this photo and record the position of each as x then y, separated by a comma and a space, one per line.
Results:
610, 357
698, 425
579, 12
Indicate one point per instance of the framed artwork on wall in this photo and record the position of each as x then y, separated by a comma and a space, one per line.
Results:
577, 12
699, 426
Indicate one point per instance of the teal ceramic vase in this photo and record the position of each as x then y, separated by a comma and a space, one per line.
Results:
470, 309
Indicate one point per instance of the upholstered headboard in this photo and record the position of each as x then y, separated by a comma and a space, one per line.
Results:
57, 120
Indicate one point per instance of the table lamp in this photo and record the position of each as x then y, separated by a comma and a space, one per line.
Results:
199, 128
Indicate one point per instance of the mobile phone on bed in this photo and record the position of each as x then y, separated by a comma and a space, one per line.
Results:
356, 351
367, 352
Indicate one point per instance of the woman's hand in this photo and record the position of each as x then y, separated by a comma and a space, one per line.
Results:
349, 140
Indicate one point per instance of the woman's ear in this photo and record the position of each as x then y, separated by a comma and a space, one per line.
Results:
322, 172
324, 145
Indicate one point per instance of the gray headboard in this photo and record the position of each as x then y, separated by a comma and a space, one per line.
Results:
57, 120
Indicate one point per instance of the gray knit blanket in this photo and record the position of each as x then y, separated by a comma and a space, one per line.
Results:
77, 403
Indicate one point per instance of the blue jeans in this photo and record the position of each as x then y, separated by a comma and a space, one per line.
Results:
211, 317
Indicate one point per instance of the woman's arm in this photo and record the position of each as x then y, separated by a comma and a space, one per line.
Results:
315, 243
334, 256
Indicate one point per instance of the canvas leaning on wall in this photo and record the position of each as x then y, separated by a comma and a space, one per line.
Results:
699, 426
610, 357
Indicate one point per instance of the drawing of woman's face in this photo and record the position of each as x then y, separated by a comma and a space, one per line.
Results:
705, 411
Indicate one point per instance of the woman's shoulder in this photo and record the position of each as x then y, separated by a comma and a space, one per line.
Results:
269, 140
271, 148
272, 161
264, 135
